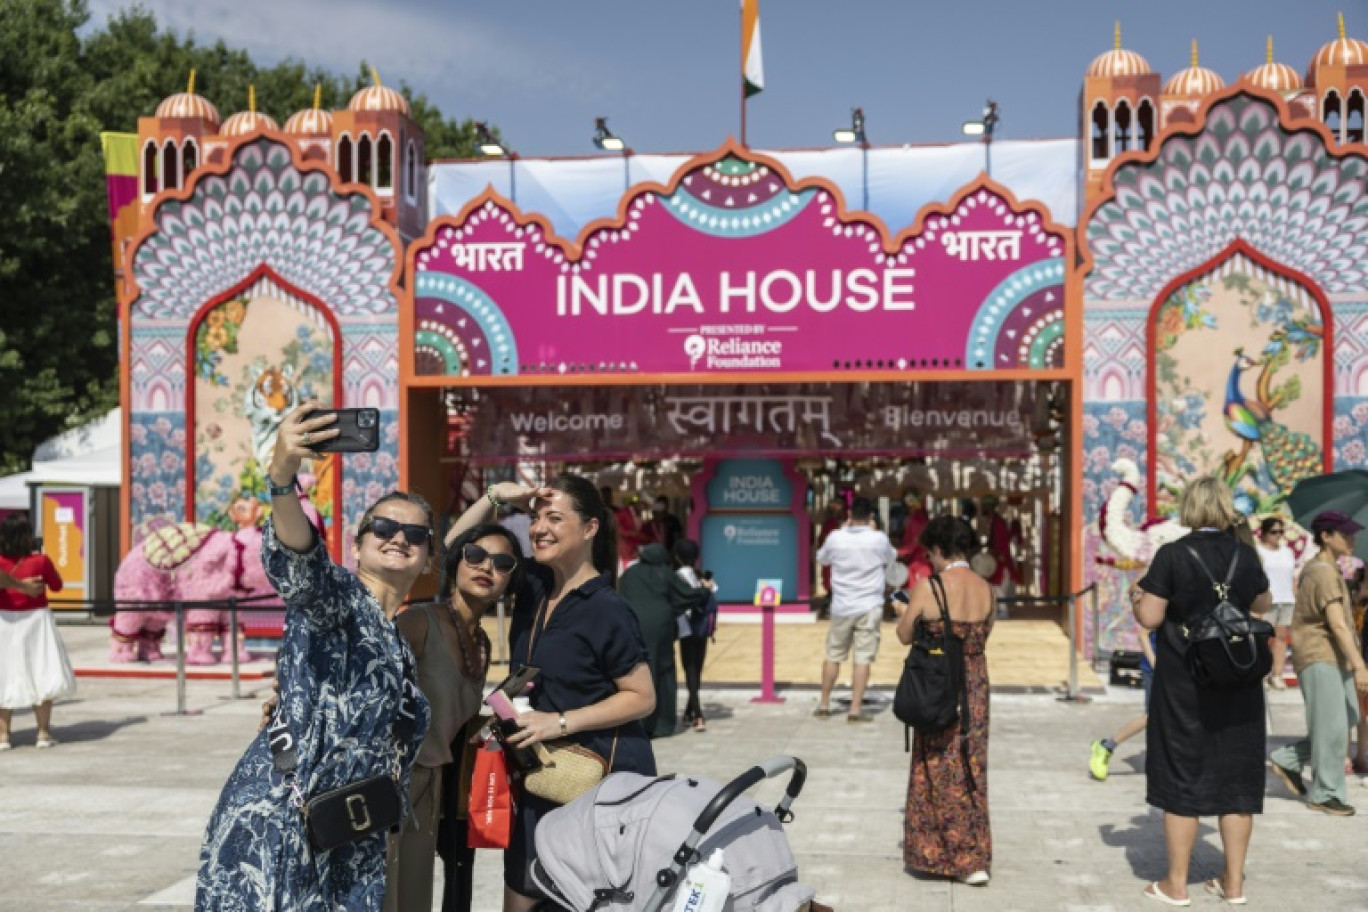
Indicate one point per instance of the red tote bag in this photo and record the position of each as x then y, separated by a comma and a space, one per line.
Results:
491, 801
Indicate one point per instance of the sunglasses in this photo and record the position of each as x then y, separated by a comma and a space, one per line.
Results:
475, 556
384, 528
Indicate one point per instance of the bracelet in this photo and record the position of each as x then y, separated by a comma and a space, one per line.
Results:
564, 730
493, 501
288, 488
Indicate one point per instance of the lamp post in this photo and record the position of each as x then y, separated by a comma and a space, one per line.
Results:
985, 128
855, 133
491, 147
608, 141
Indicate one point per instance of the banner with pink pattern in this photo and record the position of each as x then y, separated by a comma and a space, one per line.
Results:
738, 271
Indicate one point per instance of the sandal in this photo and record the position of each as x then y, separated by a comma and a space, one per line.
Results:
5, 745
1214, 887
699, 725
45, 741
821, 713
1158, 895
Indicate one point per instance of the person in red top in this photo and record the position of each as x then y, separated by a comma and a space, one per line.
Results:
34, 669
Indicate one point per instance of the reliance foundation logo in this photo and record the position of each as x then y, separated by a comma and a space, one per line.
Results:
725, 350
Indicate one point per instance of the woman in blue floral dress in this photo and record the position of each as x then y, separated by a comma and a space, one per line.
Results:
343, 671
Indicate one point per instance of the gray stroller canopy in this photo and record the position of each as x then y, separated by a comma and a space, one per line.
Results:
604, 849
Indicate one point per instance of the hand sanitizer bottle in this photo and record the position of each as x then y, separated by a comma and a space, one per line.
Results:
705, 888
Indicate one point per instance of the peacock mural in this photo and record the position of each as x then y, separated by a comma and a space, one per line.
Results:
1239, 385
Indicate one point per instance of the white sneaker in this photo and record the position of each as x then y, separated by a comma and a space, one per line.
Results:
5, 745
977, 879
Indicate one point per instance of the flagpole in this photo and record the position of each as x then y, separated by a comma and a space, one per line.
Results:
742, 33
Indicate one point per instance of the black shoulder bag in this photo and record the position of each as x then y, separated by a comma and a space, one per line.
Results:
1227, 649
931, 694
358, 809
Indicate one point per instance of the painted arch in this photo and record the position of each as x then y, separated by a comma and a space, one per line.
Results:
262, 275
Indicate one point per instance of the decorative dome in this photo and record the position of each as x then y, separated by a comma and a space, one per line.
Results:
311, 120
1119, 62
1195, 80
1343, 51
378, 98
1276, 77
248, 121
188, 104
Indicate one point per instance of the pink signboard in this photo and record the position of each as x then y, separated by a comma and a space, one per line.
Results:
736, 269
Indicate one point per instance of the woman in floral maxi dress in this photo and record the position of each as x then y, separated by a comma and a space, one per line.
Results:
344, 674
946, 831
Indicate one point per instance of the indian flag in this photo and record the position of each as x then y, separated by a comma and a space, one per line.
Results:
752, 64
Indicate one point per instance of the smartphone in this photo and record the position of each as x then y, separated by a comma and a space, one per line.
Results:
358, 431
514, 685
707, 574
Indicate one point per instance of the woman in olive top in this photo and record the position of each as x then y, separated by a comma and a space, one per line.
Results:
452, 652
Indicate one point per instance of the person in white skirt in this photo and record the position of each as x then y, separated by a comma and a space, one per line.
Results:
34, 669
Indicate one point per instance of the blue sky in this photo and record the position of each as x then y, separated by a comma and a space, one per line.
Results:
666, 74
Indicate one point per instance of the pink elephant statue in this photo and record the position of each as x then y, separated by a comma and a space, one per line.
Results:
190, 562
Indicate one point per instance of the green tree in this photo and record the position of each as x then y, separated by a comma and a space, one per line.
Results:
58, 91
54, 260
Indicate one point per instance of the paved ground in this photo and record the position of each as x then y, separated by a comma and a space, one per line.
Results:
112, 818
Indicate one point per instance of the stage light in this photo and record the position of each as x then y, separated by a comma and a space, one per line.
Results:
604, 138
855, 133
985, 126
486, 142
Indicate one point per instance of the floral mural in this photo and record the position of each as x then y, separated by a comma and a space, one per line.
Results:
157, 468
1239, 387
246, 381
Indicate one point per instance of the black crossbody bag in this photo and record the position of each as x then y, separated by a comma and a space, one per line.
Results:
358, 809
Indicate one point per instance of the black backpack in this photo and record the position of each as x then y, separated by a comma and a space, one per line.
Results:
1227, 649
931, 695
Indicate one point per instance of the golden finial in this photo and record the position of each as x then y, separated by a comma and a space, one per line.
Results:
1341, 26
1270, 49
318, 96
1194, 53
190, 89
1116, 39
375, 76
251, 98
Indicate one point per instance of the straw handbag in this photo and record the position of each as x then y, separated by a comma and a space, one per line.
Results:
568, 771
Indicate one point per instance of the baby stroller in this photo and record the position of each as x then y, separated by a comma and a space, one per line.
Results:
625, 844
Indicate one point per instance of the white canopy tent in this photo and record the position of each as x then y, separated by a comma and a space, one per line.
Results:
89, 455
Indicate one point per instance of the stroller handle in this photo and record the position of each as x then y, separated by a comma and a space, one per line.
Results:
768, 769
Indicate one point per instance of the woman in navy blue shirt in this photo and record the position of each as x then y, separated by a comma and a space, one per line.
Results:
594, 686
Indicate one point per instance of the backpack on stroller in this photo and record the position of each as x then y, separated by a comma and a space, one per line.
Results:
625, 844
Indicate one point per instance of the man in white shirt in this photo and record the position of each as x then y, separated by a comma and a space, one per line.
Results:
859, 556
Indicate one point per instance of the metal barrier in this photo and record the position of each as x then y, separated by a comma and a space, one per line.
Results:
101, 608
1070, 602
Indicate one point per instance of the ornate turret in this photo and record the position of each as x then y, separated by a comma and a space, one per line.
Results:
377, 142
311, 121
1274, 76
248, 121
1183, 93
1117, 108
1339, 75
171, 142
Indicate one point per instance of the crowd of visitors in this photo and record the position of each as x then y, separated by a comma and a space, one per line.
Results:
372, 689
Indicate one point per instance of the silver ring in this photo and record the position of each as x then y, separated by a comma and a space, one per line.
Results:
305, 439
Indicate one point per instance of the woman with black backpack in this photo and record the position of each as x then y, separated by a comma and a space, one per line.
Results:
1206, 726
